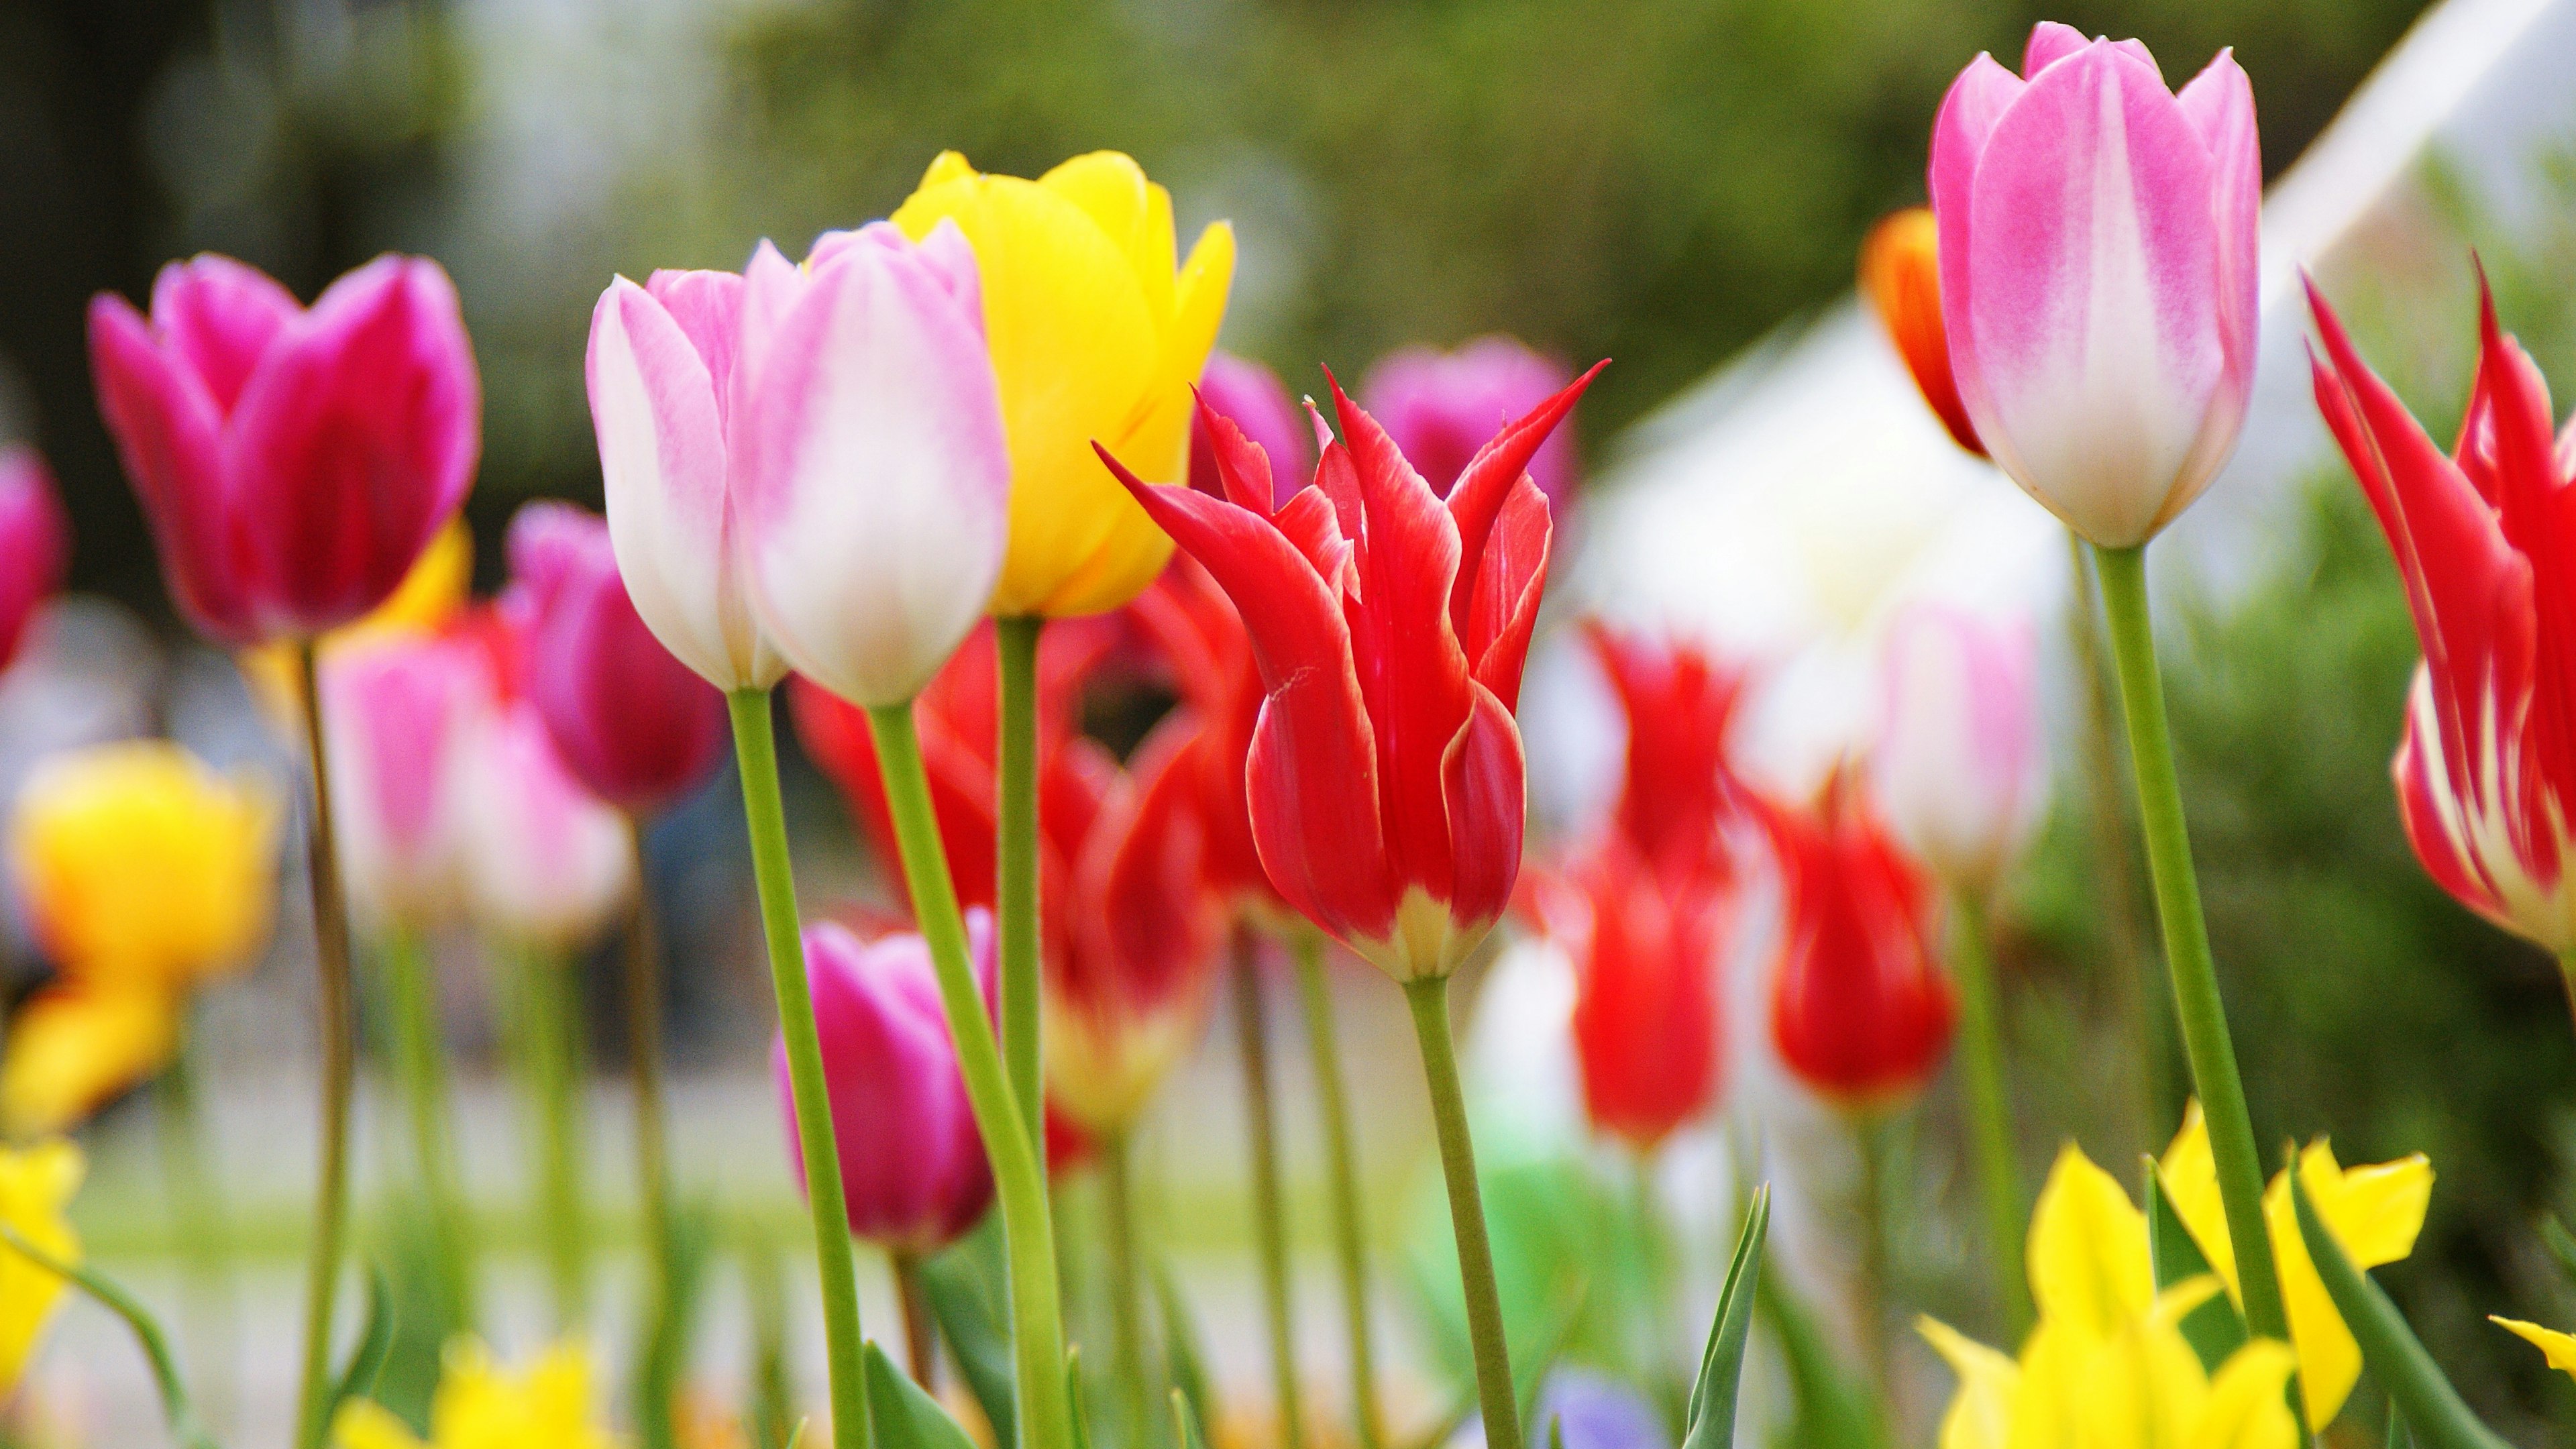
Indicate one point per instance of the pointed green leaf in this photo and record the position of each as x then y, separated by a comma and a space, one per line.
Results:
1556, 1431
967, 1286
1710, 1421
2561, 1244
2215, 1330
2398, 1438
1073, 1397
2434, 1412
1186, 1419
906, 1417
1181, 1353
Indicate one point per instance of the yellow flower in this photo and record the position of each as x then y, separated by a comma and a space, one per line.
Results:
1093, 336
2374, 1212
143, 868
550, 1404
35, 1185
427, 598
2559, 1348
73, 1048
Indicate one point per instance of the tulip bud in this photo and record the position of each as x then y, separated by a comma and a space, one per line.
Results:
293, 463
2097, 252
1257, 401
637, 727
1900, 274
1441, 407
396, 711
35, 543
913, 1168
1961, 769
547, 863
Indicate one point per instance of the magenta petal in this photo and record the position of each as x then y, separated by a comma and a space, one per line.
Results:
169, 436
2050, 42
220, 317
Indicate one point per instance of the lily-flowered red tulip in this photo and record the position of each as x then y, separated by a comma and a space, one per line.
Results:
912, 1163
2097, 250
1900, 275
1390, 627
637, 727
1860, 1012
805, 464
293, 463
1961, 767
35, 543
1258, 402
1195, 629
1679, 792
2486, 774
1442, 407
397, 711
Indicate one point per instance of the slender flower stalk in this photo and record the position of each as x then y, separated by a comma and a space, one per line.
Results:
1269, 1206
339, 1070
1990, 1128
1126, 1287
1016, 883
422, 1064
756, 748
1429, 998
643, 990
1341, 1160
920, 1329
199, 1219
2197, 1005
548, 1051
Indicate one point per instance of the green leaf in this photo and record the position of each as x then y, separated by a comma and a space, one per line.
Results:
1186, 1418
2215, 1330
1556, 1431
1181, 1352
1830, 1411
2435, 1415
1073, 1397
375, 1343
1710, 1421
2397, 1435
968, 1289
905, 1417
156, 1345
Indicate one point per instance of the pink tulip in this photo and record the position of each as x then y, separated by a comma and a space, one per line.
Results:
293, 464
1961, 769
1258, 403
2097, 249
912, 1162
546, 863
637, 727
35, 543
396, 711
1440, 407
805, 465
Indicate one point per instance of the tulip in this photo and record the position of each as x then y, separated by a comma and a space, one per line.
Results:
912, 1163
293, 463
36, 1185
549, 1404
1859, 1011
2375, 1213
635, 726
1193, 626
1960, 767
1900, 276
547, 864
1094, 336
2097, 253
397, 710
1679, 791
1440, 407
76, 1046
1390, 628
1258, 403
35, 542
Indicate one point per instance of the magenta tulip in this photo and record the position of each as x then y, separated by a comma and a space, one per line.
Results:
1440, 407
1258, 403
35, 543
2097, 249
633, 724
912, 1163
396, 711
293, 463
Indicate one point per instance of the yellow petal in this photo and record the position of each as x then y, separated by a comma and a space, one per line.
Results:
363, 1425
2245, 1408
945, 167
1980, 1413
2559, 1348
74, 1048
2374, 1213
36, 1185
1133, 213
2088, 1249
2188, 1176
2141, 1388
550, 1404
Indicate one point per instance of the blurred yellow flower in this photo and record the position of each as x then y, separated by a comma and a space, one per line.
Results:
550, 1404
36, 1183
142, 867
2374, 1211
1094, 336
73, 1048
2558, 1348
428, 597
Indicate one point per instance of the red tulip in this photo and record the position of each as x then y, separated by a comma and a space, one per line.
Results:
1679, 792
1441, 406
293, 463
1859, 1010
35, 543
1389, 627
1194, 627
2486, 774
634, 724
1258, 402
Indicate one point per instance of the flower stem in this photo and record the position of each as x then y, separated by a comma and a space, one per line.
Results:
2197, 1005
1870, 1132
1269, 1210
549, 1071
1126, 1290
339, 1071
920, 1328
1019, 1178
202, 1227
1990, 1130
764, 814
1016, 885
2567, 979
1350, 1231
419, 1057
1429, 998
643, 954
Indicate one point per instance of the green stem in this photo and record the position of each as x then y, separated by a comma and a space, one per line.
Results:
203, 1229
655, 1380
1990, 1130
1016, 884
339, 1071
2567, 979
920, 1325
548, 1054
1870, 1131
1269, 1209
765, 815
1429, 998
1126, 1291
1019, 1176
422, 1063
1350, 1232
2197, 1005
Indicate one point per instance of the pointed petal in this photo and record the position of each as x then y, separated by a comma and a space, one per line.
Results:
1509, 580
220, 317
169, 436
1482, 777
1488, 478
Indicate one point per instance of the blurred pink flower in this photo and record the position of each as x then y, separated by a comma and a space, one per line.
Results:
396, 711
1961, 765
1440, 407
546, 863
35, 543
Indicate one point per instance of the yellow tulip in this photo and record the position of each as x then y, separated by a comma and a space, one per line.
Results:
142, 868
36, 1183
2374, 1212
74, 1048
550, 1404
429, 597
1094, 336
2558, 1348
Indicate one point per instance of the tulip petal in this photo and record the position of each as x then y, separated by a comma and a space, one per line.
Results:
1481, 777
1483, 485
708, 308
1980, 1413
2088, 1249
169, 436
220, 317
1509, 582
